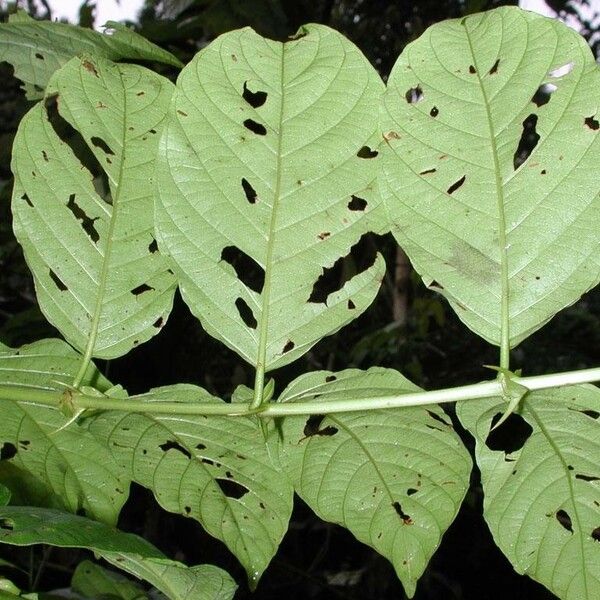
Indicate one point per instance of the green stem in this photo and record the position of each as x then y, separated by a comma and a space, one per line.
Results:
474, 391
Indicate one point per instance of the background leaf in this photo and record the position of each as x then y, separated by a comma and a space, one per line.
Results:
93, 581
267, 176
78, 470
98, 275
36, 49
25, 526
541, 480
216, 470
394, 478
467, 195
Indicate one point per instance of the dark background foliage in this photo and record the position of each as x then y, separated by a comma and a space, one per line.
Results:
408, 328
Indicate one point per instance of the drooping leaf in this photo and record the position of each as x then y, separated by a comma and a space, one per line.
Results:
25, 526
70, 463
266, 175
490, 171
394, 478
99, 278
37, 49
216, 470
541, 480
93, 581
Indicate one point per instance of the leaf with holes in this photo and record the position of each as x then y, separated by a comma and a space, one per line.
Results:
541, 482
69, 464
90, 242
216, 470
394, 478
25, 526
490, 171
37, 49
267, 187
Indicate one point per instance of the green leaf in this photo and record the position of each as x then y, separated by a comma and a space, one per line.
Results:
394, 478
25, 526
261, 190
98, 275
37, 49
541, 480
93, 581
477, 229
77, 469
4, 495
216, 470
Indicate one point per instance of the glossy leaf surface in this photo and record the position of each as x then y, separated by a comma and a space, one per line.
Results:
37, 49
26, 526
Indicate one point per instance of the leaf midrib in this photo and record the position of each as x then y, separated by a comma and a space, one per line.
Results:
266, 295
504, 279
93, 334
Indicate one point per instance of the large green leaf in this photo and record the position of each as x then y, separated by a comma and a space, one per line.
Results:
462, 104
394, 478
79, 471
267, 174
36, 49
541, 479
213, 469
25, 526
98, 275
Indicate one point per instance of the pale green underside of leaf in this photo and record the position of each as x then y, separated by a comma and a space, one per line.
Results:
478, 78
283, 198
557, 469
37, 49
93, 581
394, 478
70, 465
216, 470
98, 275
126, 551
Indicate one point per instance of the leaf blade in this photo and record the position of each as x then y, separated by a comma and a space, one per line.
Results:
69, 463
36, 49
216, 470
246, 129
372, 472
460, 174
25, 526
541, 493
98, 276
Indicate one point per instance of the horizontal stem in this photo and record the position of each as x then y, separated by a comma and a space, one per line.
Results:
474, 391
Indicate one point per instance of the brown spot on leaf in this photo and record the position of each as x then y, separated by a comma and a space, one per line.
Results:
406, 519
472, 70
90, 67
